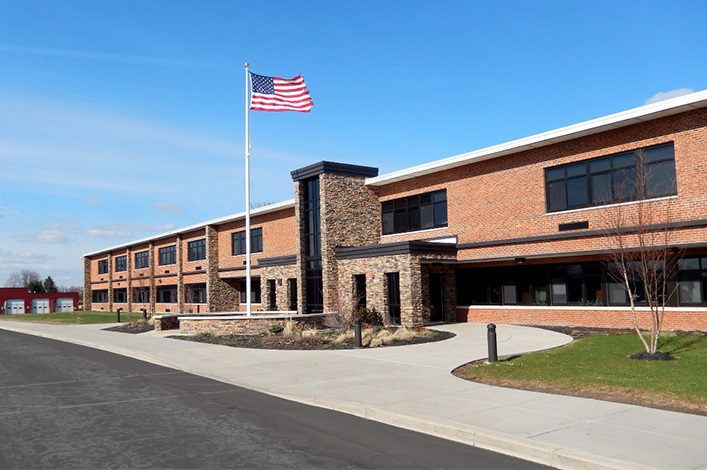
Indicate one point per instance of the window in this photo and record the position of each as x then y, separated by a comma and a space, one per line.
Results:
166, 294
256, 241
168, 255
292, 287
100, 296
419, 212
142, 259
313, 284
121, 263
556, 284
692, 281
120, 296
103, 266
272, 294
196, 250
254, 290
195, 293
641, 174
141, 295
359, 285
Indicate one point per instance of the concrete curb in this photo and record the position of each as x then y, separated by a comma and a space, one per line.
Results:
558, 457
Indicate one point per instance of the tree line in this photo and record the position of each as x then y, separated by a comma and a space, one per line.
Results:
32, 281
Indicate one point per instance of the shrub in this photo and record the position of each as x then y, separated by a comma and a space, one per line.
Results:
368, 316
276, 328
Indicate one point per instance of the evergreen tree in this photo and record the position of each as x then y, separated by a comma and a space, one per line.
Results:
50, 286
36, 287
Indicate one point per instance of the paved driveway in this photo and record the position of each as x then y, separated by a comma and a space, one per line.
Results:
412, 387
68, 406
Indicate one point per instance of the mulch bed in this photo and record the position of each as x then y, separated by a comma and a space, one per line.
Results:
134, 327
577, 332
319, 342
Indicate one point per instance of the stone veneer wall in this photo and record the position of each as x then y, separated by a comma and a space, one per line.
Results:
87, 288
246, 325
414, 285
153, 288
281, 274
350, 216
221, 296
180, 276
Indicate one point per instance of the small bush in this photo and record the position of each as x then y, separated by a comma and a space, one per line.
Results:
276, 328
290, 328
368, 316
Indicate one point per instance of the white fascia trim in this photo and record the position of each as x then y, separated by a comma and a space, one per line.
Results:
576, 307
229, 218
612, 121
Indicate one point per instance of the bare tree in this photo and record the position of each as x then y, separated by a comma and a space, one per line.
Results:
642, 260
22, 278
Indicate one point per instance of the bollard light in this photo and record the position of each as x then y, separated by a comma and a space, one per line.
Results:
357, 335
117, 315
491, 337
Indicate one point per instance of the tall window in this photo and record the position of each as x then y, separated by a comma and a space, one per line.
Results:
418, 212
692, 281
166, 294
196, 250
313, 286
195, 293
254, 290
168, 255
256, 241
142, 259
103, 266
640, 174
121, 263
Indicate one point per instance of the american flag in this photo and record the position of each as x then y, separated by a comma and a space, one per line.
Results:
279, 94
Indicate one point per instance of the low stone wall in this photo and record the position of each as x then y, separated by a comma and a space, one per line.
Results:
166, 322
599, 317
227, 325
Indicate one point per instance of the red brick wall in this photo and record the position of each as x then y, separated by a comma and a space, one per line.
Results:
505, 197
602, 317
279, 237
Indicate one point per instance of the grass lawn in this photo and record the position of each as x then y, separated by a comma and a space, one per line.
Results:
600, 367
79, 318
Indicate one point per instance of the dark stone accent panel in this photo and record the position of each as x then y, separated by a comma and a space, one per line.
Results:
221, 295
87, 292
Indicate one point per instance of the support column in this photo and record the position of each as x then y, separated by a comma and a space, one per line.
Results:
153, 289
129, 265
180, 276
110, 281
87, 289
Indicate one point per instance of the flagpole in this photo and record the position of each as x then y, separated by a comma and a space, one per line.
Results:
247, 198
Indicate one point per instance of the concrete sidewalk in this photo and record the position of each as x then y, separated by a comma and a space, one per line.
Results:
411, 387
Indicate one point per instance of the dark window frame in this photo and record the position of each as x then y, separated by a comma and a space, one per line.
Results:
238, 241
168, 255
626, 177
255, 291
196, 250
142, 259
120, 295
697, 274
170, 291
195, 293
99, 296
141, 295
103, 266
121, 263
424, 211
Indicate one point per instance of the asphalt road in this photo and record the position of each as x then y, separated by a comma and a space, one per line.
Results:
68, 406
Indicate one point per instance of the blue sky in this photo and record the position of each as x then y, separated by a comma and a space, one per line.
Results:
110, 110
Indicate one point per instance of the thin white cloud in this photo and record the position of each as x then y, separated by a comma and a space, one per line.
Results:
125, 230
52, 236
22, 259
666, 95
169, 208
91, 201
103, 56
